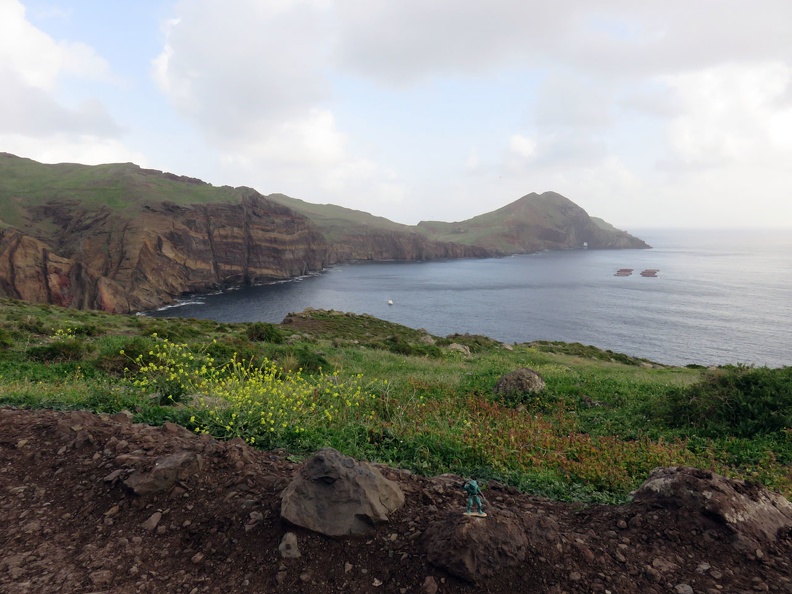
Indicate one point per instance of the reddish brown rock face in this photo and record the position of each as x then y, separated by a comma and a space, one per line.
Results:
145, 257
123, 262
31, 271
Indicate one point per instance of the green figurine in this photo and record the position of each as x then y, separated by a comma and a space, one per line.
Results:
474, 494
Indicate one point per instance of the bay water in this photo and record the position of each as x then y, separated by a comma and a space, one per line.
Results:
719, 297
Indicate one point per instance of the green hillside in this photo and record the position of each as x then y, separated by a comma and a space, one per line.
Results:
338, 221
533, 205
25, 183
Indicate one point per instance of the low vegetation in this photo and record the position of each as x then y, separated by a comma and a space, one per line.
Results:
387, 393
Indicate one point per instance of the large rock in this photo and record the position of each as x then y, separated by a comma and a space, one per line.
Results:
756, 516
476, 548
336, 495
166, 472
518, 384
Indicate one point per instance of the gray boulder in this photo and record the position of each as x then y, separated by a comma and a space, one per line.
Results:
519, 383
166, 472
459, 348
755, 515
336, 495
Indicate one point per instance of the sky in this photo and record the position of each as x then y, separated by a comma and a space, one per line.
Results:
667, 113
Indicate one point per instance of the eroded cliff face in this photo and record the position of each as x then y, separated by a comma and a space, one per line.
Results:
376, 245
124, 262
31, 271
141, 259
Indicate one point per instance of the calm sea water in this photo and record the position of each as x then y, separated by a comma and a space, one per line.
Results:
719, 297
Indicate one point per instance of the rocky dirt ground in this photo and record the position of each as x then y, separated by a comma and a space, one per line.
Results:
70, 524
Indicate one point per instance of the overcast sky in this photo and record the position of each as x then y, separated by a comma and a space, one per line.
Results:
667, 113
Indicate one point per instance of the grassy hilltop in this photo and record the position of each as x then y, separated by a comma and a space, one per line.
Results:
384, 392
25, 183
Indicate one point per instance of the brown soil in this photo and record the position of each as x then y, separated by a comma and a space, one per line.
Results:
70, 525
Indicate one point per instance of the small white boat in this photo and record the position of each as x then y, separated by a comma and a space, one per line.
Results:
390, 301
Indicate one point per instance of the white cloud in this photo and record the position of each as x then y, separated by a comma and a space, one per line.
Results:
732, 113
39, 60
472, 161
236, 67
411, 40
309, 141
523, 146
308, 157
32, 111
408, 41
253, 77
35, 121
72, 148
520, 155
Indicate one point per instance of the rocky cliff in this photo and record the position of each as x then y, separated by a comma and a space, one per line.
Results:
125, 261
381, 245
130, 261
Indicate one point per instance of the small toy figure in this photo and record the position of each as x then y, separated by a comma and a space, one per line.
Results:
474, 494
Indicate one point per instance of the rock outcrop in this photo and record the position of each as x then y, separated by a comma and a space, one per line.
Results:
756, 517
32, 271
476, 548
336, 495
122, 262
379, 245
166, 472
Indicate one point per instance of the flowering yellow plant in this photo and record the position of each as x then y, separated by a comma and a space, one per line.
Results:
257, 401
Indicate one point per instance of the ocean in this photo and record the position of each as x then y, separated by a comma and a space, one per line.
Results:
719, 297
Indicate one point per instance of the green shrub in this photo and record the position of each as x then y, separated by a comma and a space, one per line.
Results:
228, 348
164, 370
6, 338
69, 349
585, 351
733, 401
263, 332
475, 342
86, 330
175, 329
33, 325
311, 361
122, 356
397, 344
